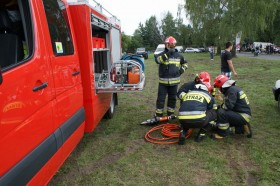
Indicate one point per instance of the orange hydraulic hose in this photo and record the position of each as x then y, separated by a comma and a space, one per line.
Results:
169, 133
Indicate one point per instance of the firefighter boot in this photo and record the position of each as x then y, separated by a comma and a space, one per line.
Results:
223, 131
247, 130
201, 135
170, 113
158, 115
239, 130
182, 137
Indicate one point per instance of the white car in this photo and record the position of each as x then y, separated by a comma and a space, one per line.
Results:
192, 50
180, 48
160, 48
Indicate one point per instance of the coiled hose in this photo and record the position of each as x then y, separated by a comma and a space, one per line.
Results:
170, 134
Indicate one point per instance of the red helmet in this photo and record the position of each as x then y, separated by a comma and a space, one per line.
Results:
209, 87
220, 80
204, 77
170, 40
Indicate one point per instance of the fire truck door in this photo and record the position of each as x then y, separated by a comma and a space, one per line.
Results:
65, 63
26, 101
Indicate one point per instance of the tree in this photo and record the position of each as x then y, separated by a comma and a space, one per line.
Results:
168, 26
229, 17
149, 33
136, 41
272, 32
126, 40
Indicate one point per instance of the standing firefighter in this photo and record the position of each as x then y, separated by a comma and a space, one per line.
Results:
197, 110
235, 111
171, 65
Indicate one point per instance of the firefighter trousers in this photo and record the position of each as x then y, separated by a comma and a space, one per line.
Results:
202, 123
234, 119
171, 91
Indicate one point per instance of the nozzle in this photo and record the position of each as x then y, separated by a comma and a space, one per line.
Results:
172, 117
150, 121
157, 120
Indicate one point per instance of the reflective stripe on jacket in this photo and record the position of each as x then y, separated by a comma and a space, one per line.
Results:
195, 104
237, 101
171, 66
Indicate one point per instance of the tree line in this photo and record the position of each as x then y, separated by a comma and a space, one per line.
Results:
211, 22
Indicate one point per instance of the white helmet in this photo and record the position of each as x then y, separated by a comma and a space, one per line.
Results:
228, 83
201, 87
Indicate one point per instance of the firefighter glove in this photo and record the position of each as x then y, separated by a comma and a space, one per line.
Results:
164, 57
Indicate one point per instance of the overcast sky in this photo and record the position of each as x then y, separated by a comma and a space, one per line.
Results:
132, 12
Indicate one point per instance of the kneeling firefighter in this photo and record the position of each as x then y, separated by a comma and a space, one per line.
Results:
235, 110
202, 77
197, 109
171, 65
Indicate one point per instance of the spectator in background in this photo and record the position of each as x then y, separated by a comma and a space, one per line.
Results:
211, 51
226, 62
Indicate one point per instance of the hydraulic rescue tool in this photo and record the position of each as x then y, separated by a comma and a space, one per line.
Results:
157, 120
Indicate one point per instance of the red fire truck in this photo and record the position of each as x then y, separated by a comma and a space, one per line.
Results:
61, 70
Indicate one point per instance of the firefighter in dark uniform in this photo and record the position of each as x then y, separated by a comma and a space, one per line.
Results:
235, 110
171, 65
197, 110
202, 77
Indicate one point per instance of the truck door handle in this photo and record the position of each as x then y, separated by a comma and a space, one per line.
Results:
44, 85
75, 73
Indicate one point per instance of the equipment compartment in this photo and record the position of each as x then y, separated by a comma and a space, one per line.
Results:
124, 75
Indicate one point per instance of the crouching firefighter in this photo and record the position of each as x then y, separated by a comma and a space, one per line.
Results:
171, 65
202, 77
197, 109
235, 110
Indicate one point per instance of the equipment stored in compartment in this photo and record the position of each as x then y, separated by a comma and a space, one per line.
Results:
124, 75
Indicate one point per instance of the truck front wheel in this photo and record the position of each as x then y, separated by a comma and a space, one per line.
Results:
146, 56
110, 113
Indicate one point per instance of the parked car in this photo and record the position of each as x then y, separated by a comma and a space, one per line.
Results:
143, 52
160, 48
192, 50
276, 92
203, 50
180, 48
277, 49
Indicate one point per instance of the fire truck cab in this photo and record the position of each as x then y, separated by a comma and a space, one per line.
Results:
61, 69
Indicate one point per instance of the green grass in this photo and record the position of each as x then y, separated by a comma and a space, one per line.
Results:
117, 154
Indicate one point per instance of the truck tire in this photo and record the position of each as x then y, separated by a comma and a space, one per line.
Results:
110, 112
146, 56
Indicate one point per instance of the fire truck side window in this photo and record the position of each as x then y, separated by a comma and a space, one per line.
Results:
58, 27
16, 36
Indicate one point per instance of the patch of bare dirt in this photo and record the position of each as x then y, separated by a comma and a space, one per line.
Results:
240, 163
202, 178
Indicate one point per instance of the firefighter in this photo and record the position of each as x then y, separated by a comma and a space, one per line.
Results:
235, 110
171, 65
202, 77
197, 110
